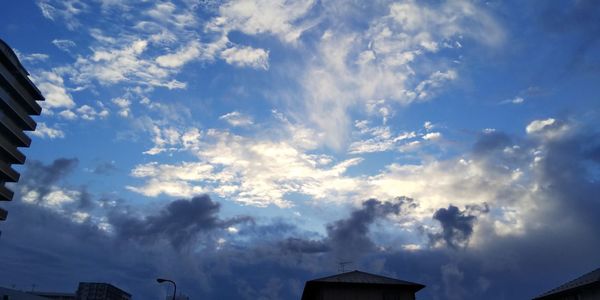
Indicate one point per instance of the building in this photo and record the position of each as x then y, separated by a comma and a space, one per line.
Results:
56, 296
586, 287
359, 285
12, 294
100, 291
18, 96
177, 297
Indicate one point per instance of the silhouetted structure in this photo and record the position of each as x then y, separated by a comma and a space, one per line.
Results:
12, 294
55, 295
586, 287
359, 285
100, 291
178, 297
18, 96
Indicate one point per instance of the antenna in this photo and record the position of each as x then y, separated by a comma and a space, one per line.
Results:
342, 266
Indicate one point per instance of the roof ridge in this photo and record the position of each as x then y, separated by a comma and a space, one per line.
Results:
579, 281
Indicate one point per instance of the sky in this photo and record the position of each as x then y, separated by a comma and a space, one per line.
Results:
241, 148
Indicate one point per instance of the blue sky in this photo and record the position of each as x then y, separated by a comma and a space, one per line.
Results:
281, 118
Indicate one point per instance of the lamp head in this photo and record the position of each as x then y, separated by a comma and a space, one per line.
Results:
160, 280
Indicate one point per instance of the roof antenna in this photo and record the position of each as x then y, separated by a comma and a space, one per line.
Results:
342, 266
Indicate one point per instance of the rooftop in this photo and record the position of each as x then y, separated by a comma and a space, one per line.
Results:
589, 278
364, 278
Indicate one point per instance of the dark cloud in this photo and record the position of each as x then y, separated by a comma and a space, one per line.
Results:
298, 245
180, 222
490, 142
41, 176
43, 179
457, 227
349, 238
104, 168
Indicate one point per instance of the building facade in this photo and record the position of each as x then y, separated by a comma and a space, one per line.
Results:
100, 291
12, 294
359, 285
18, 102
55, 295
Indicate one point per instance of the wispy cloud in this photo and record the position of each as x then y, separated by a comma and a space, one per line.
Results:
235, 118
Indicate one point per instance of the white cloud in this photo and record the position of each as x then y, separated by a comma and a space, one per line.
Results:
170, 138
88, 113
250, 171
67, 10
68, 114
428, 126
382, 139
173, 180
538, 125
236, 118
246, 57
114, 64
63, 44
549, 128
52, 86
33, 57
181, 57
124, 106
432, 136
167, 12
392, 60
279, 18
517, 100
44, 131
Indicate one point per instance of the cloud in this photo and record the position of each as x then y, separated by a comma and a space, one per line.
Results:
457, 227
52, 86
124, 106
181, 57
171, 138
549, 128
280, 18
382, 139
33, 57
180, 222
104, 168
66, 11
64, 44
44, 131
251, 171
432, 136
246, 57
111, 65
383, 61
349, 237
41, 184
89, 113
236, 118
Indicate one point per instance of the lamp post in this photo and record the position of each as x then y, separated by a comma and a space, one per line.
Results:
161, 280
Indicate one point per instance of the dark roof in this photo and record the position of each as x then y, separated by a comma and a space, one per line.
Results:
95, 284
586, 279
363, 277
359, 278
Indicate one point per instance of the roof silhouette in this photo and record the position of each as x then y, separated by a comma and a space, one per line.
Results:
357, 279
588, 278
365, 278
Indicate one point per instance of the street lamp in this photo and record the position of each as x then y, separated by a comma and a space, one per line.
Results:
161, 280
